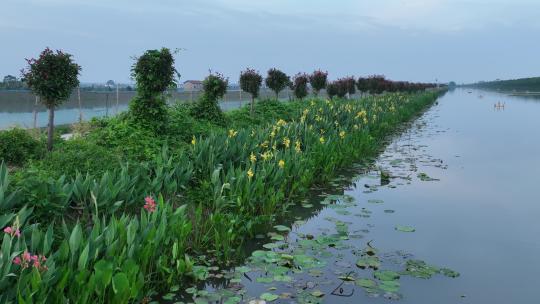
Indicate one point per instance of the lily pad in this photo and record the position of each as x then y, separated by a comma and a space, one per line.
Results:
405, 228
369, 262
282, 228
375, 201
386, 275
366, 283
270, 297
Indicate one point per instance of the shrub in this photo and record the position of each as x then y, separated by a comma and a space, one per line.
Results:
17, 146
127, 140
277, 81
154, 72
342, 88
362, 85
332, 89
299, 85
250, 81
52, 77
350, 84
207, 108
77, 155
318, 81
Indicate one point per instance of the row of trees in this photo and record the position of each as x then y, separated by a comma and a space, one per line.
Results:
53, 75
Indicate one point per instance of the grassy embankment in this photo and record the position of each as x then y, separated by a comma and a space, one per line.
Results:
93, 237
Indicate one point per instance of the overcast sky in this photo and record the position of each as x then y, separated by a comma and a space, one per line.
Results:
416, 40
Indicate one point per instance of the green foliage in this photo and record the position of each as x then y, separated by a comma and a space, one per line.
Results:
17, 146
277, 81
207, 108
250, 81
78, 155
299, 85
318, 81
154, 72
112, 250
132, 142
52, 76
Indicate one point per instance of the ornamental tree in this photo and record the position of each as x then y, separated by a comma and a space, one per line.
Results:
299, 85
342, 87
276, 80
250, 82
154, 73
362, 85
207, 108
332, 89
350, 84
318, 81
52, 77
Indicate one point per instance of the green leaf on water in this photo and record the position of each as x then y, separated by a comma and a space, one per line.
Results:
271, 245
366, 283
277, 237
389, 211
242, 269
375, 201
369, 262
264, 280
389, 286
270, 297
405, 228
386, 275
282, 228
317, 293
449, 273
168, 296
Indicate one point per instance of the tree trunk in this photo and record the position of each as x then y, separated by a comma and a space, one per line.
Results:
50, 129
277, 95
252, 103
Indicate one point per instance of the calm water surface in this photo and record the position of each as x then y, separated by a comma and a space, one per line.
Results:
480, 218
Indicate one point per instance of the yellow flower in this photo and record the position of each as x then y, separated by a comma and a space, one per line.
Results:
342, 134
250, 173
252, 157
365, 121
321, 139
297, 146
252, 132
286, 142
281, 163
281, 122
264, 144
266, 155
273, 133
232, 133
193, 140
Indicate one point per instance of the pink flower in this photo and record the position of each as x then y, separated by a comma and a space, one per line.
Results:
150, 204
26, 256
17, 261
12, 231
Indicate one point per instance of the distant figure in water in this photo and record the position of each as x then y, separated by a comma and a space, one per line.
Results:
499, 105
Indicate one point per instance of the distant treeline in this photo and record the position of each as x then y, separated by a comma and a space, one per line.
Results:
522, 84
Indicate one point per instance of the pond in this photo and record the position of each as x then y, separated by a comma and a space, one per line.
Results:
17, 107
459, 191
